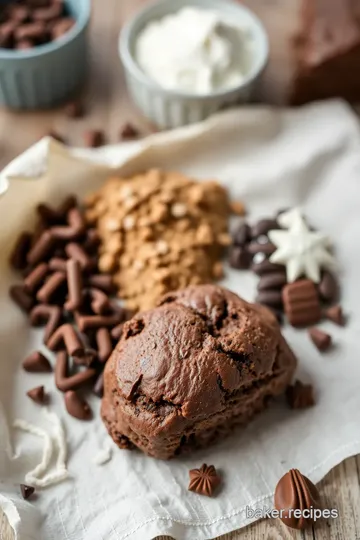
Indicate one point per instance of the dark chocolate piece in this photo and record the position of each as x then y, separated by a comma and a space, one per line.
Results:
63, 382
128, 131
21, 297
300, 396
41, 249
240, 258
295, 491
26, 491
321, 340
275, 280
74, 282
49, 315
36, 362
75, 251
86, 322
36, 278
76, 406
301, 303
336, 315
263, 226
51, 287
37, 394
101, 281
66, 335
204, 481
271, 298
242, 235
104, 344
328, 287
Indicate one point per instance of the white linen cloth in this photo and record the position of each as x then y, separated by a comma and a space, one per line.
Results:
271, 159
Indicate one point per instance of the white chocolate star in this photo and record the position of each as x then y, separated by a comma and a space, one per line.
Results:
302, 251
290, 217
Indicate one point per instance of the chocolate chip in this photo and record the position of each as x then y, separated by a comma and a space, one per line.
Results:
36, 362
275, 280
242, 235
128, 131
56, 264
86, 322
26, 491
76, 406
93, 138
51, 287
300, 396
21, 297
321, 340
37, 394
269, 297
239, 258
74, 283
263, 227
18, 257
328, 287
336, 315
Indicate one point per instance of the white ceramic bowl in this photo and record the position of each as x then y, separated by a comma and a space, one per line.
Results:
168, 108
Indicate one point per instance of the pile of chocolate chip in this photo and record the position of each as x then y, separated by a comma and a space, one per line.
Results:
28, 23
304, 300
62, 289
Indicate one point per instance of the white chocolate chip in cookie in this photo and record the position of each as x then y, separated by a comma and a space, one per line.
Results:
178, 210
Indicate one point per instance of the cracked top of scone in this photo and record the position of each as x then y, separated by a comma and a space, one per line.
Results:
198, 346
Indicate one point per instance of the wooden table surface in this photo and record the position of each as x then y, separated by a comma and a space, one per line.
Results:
108, 107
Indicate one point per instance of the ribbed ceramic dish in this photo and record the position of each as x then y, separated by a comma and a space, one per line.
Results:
46, 75
170, 109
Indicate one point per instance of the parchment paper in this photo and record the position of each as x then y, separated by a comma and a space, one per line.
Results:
271, 159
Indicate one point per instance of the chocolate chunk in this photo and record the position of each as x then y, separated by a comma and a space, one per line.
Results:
271, 298
321, 340
99, 301
93, 138
74, 109
86, 322
18, 258
37, 394
63, 382
75, 251
66, 335
36, 278
21, 297
240, 258
62, 27
102, 281
26, 491
56, 264
51, 287
32, 30
104, 344
76, 406
99, 386
51, 315
128, 131
336, 315
36, 362
275, 280
263, 227
117, 331
204, 481
301, 303
41, 248
242, 235
295, 491
74, 282
264, 266
261, 247
328, 287
300, 396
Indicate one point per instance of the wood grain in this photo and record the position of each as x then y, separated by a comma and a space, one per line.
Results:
108, 107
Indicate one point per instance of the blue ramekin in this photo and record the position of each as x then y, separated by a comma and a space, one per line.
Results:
48, 74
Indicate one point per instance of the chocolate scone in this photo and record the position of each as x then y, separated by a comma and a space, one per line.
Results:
191, 369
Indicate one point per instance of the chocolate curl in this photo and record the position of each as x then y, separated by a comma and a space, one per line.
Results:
41, 249
36, 277
21, 297
65, 383
74, 282
49, 315
51, 287
104, 344
18, 257
66, 335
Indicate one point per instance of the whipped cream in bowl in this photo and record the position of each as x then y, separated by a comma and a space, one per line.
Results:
185, 59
